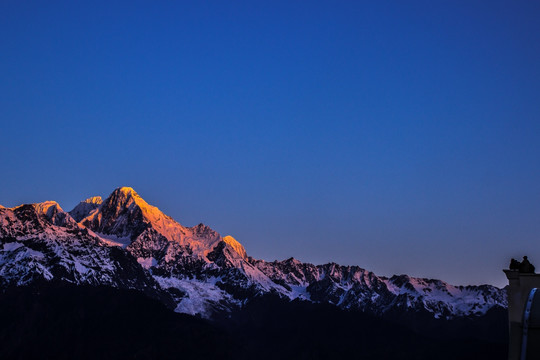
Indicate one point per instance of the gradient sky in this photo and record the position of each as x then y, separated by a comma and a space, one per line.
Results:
403, 137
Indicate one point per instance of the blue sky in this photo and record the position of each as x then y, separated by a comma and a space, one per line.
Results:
401, 137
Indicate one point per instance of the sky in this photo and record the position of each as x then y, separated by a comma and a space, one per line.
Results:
403, 137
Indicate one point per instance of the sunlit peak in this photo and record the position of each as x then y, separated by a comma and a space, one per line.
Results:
47, 207
126, 190
94, 200
235, 245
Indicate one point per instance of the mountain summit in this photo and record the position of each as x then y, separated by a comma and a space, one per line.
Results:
85, 207
127, 216
124, 214
125, 242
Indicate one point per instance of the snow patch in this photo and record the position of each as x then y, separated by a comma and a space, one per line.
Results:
80, 268
12, 246
114, 240
147, 263
299, 292
201, 296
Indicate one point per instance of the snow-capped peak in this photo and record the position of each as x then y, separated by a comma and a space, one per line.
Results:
125, 214
47, 208
53, 212
126, 197
43, 214
236, 246
126, 190
85, 208
94, 200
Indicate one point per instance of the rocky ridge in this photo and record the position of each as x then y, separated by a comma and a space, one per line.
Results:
125, 242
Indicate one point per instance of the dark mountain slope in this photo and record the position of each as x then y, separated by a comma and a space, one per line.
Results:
275, 329
85, 322
55, 321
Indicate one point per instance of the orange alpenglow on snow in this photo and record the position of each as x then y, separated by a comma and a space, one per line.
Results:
115, 216
236, 246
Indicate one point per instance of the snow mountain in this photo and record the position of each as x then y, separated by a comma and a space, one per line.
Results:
126, 243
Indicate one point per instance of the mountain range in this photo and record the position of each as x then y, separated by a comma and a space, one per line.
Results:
125, 243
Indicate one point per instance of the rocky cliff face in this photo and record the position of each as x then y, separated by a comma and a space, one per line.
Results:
126, 243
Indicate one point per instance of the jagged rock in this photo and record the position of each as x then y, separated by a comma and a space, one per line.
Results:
126, 243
